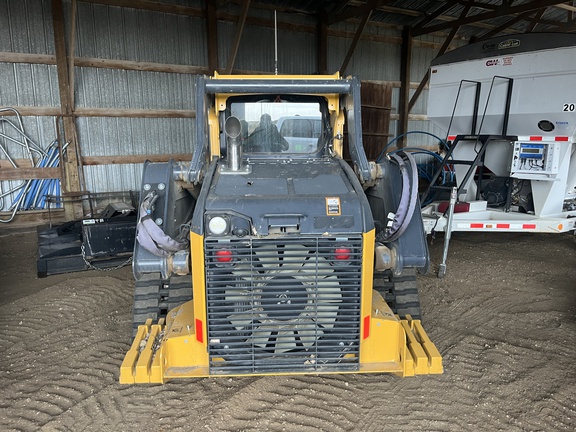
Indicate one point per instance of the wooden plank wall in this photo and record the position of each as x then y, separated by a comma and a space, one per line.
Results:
376, 109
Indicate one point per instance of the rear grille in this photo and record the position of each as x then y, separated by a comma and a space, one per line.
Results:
283, 305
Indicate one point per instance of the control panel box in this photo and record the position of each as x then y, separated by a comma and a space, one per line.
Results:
535, 160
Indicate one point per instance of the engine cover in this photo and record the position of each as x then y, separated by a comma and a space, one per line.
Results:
290, 196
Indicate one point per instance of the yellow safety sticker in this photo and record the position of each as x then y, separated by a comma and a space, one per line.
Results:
333, 206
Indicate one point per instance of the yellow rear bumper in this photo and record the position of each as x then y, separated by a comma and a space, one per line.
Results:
170, 350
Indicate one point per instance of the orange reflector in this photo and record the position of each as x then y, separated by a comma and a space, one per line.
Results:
199, 331
560, 226
366, 331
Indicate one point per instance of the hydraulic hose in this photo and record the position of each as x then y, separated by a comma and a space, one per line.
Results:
408, 198
408, 133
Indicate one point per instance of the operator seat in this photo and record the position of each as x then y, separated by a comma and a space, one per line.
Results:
266, 137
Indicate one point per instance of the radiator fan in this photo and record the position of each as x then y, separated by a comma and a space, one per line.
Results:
285, 300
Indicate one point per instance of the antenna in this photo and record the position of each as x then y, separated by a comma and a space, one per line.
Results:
275, 45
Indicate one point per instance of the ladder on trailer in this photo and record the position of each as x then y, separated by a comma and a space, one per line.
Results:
476, 166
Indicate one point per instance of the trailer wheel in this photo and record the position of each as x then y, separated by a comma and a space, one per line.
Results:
400, 292
154, 297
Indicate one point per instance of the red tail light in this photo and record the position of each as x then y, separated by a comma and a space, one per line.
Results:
224, 256
342, 254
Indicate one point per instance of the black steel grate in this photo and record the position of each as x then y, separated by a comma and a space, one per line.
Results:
283, 305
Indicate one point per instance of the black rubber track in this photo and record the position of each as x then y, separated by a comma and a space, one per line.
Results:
400, 292
154, 297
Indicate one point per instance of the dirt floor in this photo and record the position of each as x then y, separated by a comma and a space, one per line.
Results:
504, 319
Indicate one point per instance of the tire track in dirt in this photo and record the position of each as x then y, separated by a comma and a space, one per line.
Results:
58, 351
507, 337
289, 403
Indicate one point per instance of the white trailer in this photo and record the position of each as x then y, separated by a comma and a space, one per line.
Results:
508, 106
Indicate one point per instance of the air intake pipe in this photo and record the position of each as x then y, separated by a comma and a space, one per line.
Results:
233, 129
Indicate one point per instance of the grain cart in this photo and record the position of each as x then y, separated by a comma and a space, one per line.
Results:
508, 106
264, 257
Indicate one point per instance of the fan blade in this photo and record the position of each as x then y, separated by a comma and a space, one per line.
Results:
285, 341
295, 255
242, 271
329, 291
240, 321
326, 315
238, 295
308, 336
261, 336
267, 256
321, 267
329, 285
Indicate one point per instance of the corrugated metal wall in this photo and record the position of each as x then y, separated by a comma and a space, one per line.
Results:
111, 32
25, 28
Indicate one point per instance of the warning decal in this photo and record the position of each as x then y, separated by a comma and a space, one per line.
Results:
333, 206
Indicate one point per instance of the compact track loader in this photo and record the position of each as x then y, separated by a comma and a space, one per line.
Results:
268, 253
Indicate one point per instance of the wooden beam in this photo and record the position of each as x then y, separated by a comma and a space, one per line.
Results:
570, 26
29, 173
442, 50
419, 90
24, 165
136, 65
405, 65
72, 181
354, 43
505, 25
134, 159
353, 12
212, 36
411, 117
10, 57
34, 111
239, 31
71, 51
134, 113
502, 10
567, 7
105, 112
20, 163
428, 18
153, 6
532, 25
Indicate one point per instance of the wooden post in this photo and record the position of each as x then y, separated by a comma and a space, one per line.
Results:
405, 66
357, 35
239, 31
71, 184
442, 50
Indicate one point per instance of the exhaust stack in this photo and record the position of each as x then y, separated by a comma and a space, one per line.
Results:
232, 129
